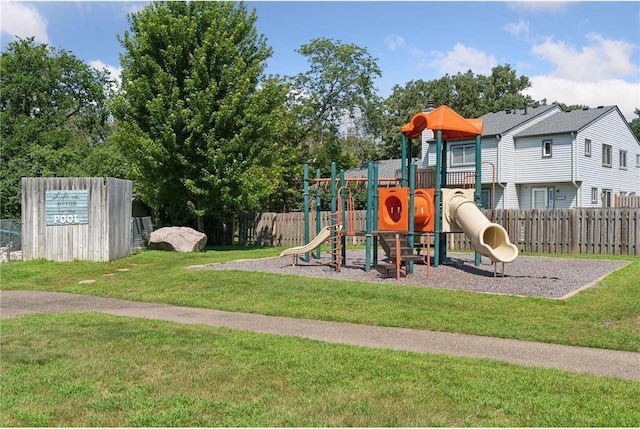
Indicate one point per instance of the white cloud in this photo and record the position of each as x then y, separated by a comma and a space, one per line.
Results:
608, 92
21, 20
601, 59
592, 75
520, 28
463, 58
115, 71
393, 41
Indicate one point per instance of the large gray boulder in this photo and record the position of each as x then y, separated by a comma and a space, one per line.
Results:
178, 238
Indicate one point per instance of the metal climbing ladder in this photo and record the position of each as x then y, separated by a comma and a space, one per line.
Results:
344, 214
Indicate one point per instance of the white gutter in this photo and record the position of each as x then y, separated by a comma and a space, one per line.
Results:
499, 169
574, 168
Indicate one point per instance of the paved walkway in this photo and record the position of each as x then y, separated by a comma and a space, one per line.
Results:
577, 359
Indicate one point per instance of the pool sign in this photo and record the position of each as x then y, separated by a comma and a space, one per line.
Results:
67, 207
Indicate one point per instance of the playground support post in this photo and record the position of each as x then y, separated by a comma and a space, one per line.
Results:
369, 219
374, 217
343, 237
403, 166
306, 208
408, 162
438, 202
412, 186
318, 208
333, 213
443, 183
478, 195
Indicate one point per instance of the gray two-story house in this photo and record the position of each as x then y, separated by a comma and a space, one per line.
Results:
544, 157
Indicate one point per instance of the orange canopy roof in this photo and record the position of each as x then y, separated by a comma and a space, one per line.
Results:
447, 120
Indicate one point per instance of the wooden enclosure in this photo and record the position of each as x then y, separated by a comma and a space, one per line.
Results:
76, 218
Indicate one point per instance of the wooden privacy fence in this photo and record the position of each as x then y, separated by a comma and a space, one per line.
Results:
287, 229
626, 201
612, 231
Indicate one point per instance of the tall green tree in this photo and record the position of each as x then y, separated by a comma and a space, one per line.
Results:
53, 113
336, 96
200, 133
635, 124
502, 89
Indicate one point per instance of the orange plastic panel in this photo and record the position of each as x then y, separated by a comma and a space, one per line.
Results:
393, 205
424, 210
445, 119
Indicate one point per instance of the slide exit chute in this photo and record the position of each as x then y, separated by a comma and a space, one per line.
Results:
460, 212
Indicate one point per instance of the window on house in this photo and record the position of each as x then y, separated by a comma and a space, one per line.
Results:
543, 198
606, 198
623, 159
539, 198
546, 148
606, 155
485, 199
638, 160
594, 195
587, 147
463, 154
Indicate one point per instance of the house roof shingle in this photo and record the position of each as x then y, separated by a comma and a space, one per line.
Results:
565, 122
501, 122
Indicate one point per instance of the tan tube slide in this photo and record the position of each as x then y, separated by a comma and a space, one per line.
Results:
489, 239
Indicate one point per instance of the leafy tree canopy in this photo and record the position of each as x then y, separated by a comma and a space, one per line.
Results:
53, 114
202, 137
470, 95
635, 124
335, 96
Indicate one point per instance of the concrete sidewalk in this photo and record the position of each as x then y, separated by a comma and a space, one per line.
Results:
600, 362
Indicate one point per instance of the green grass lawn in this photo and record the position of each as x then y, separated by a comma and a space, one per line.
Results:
607, 316
89, 369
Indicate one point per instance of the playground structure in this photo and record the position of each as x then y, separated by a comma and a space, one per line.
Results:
402, 218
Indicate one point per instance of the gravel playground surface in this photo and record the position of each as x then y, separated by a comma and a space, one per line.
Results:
526, 276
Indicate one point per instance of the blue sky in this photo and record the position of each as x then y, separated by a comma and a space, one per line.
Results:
573, 52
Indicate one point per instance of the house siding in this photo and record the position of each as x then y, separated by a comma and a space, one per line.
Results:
507, 164
533, 167
427, 136
489, 154
524, 196
498, 198
520, 165
565, 195
510, 198
609, 129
